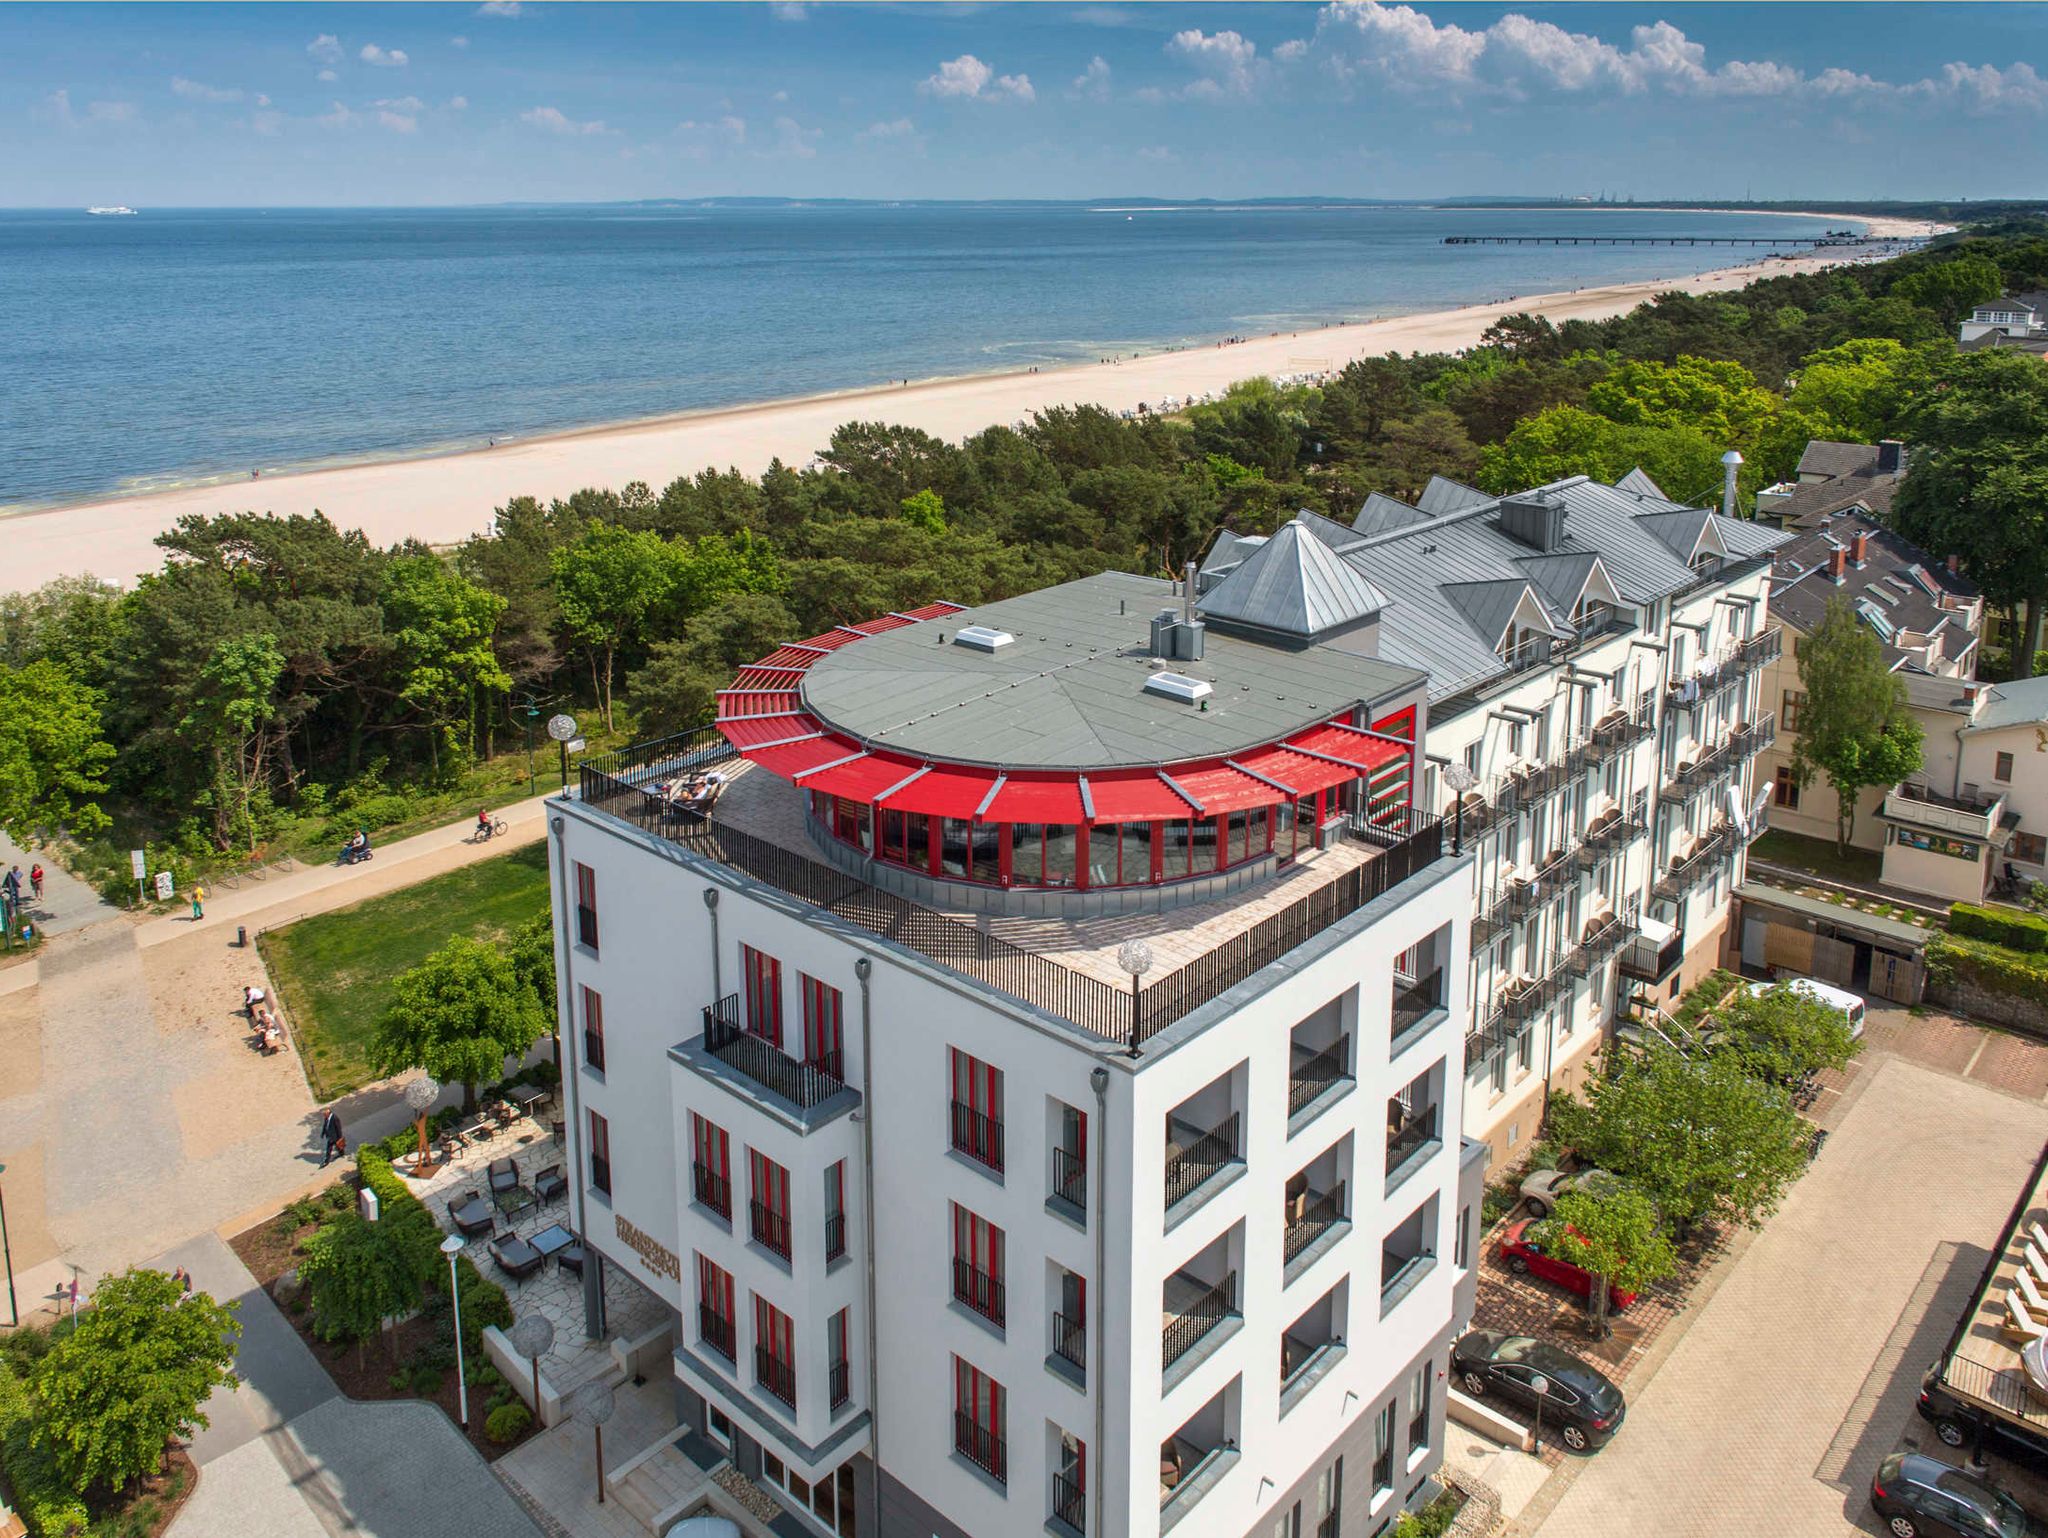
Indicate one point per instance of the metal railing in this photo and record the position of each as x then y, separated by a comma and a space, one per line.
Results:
1408, 843
1190, 1165
593, 1048
712, 1189
1753, 739
835, 1235
1605, 837
1688, 780
769, 1227
978, 1135
1070, 1340
1414, 1001
718, 1332
801, 1084
1689, 872
775, 1375
839, 1379
1413, 1132
1069, 1501
981, 1447
1070, 1177
1317, 1217
1307, 1079
1187, 1327
1742, 660
979, 1290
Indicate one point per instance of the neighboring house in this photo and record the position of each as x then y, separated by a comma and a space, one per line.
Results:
1593, 656
961, 1232
2015, 321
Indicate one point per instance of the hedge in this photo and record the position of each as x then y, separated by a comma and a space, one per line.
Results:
45, 1504
483, 1301
1999, 926
1994, 968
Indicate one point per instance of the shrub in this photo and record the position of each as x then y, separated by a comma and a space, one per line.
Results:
505, 1423
305, 1210
425, 1381
1992, 967
338, 1197
1999, 926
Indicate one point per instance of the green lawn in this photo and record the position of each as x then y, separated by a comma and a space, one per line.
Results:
1817, 856
333, 971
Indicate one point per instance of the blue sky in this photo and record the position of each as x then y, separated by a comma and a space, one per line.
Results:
194, 105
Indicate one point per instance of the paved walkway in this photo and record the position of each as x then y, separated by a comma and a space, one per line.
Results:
67, 903
1799, 1373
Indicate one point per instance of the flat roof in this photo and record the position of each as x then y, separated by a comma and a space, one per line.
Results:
1889, 930
1068, 692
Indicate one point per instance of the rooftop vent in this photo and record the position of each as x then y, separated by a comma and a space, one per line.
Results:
1178, 686
1534, 520
983, 638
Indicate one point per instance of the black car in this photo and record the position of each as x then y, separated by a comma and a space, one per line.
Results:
1581, 1407
1922, 1497
1961, 1424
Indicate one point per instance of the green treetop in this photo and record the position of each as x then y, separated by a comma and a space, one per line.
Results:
1854, 726
1611, 1235
458, 1015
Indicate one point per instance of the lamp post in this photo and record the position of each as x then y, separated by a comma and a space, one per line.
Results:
1540, 1387
420, 1093
533, 1337
451, 1247
1135, 957
7, 1251
591, 1405
1461, 780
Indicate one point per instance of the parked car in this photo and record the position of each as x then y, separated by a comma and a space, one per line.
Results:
1525, 1255
1582, 1407
1543, 1187
1823, 993
1922, 1497
1961, 1422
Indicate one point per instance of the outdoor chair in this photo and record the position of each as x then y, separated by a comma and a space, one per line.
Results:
471, 1215
2034, 1262
515, 1257
549, 1185
504, 1176
2040, 1236
2036, 1304
570, 1259
2018, 1321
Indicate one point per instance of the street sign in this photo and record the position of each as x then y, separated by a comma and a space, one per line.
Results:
163, 886
138, 862
577, 744
561, 728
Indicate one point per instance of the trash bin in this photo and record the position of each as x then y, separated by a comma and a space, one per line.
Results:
242, 936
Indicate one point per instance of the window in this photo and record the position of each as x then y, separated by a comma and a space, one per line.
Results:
1070, 1158
978, 1264
1461, 1243
774, 1351
1789, 708
1418, 1408
977, 1109
1525, 1048
717, 1325
824, 1031
841, 1370
600, 1154
1472, 757
1288, 1523
1070, 1483
1070, 1321
1497, 1071
593, 1029
1330, 1500
763, 975
2028, 849
1515, 739
1383, 1450
2001, 768
586, 906
978, 1420
711, 1165
835, 1211
768, 1210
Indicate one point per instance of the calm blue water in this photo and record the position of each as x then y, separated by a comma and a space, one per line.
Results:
179, 345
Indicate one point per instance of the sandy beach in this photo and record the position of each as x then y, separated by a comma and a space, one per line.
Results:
444, 500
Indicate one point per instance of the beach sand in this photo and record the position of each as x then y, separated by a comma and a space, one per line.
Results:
444, 500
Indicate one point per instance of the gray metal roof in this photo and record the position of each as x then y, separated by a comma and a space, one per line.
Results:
1295, 585
1069, 692
1824, 456
1801, 585
1638, 483
2017, 702
1444, 495
1382, 512
1560, 578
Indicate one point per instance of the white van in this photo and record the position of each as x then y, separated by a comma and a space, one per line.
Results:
1848, 1003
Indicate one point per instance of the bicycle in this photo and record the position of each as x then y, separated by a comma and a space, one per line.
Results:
486, 831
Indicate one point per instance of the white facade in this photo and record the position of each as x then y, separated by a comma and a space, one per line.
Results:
671, 923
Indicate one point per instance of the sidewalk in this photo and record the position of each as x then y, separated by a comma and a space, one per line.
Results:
67, 903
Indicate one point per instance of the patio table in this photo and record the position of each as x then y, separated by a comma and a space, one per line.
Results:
551, 1240
515, 1201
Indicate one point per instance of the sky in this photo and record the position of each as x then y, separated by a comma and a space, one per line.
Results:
179, 105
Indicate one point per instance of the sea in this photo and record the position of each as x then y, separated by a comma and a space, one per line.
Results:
185, 345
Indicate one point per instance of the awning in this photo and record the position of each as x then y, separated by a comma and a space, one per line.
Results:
792, 759
863, 779
750, 732
794, 658
1134, 795
1036, 800
757, 676
1350, 746
734, 703
946, 792
1299, 773
1221, 789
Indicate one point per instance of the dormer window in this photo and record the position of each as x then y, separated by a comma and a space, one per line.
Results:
1591, 616
1523, 647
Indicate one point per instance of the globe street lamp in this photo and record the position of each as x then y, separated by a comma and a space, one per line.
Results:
1135, 957
451, 1247
533, 1338
591, 1405
1461, 780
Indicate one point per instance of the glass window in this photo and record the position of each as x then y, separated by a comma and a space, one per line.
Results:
1134, 853
1202, 846
988, 853
1176, 852
953, 842
1062, 850
2001, 769
1383, 1448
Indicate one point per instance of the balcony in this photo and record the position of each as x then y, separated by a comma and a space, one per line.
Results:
1695, 867
800, 1085
769, 1227
1622, 730
1613, 830
1309, 1216
1971, 815
1192, 1309
1655, 952
1411, 1136
1070, 1178
1752, 740
775, 1375
839, 1378
1070, 1341
1741, 661
718, 1332
1314, 1073
1069, 1500
1694, 775
1195, 1458
712, 1189
835, 1236
977, 1135
981, 1446
1415, 1002
979, 1290
1406, 1257
1195, 1156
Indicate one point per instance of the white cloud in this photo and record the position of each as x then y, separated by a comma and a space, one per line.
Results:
789, 10
57, 108
325, 49
1291, 50
899, 128
327, 75
554, 120
1986, 87
266, 123
401, 104
968, 76
501, 8
337, 116
193, 90
1093, 82
1158, 153
458, 42
794, 141
399, 122
112, 112
458, 103
1226, 62
701, 139
384, 58
780, 96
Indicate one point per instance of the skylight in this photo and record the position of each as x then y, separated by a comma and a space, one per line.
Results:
983, 638
1178, 686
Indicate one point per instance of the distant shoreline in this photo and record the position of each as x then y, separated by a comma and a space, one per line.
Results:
444, 495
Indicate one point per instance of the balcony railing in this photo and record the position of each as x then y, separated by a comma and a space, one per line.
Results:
1190, 1164
769, 1227
1070, 1340
840, 1381
775, 1375
978, 1289
835, 1235
718, 1332
1690, 778
1316, 1217
981, 1447
1611, 833
1413, 1001
1753, 739
1312, 1075
1070, 1177
1187, 1327
801, 1084
1687, 873
1648, 962
1620, 732
586, 925
711, 1188
593, 1048
1976, 816
1069, 1501
977, 1135
1414, 1131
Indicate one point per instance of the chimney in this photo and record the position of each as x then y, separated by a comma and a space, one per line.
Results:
1838, 564
1891, 457
1187, 597
1731, 464
1859, 547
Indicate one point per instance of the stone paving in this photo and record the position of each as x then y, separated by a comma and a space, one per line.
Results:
67, 903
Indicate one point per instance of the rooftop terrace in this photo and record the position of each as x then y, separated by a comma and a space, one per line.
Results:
1984, 1356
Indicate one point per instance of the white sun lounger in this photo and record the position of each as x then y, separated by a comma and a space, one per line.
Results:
2036, 1304
2019, 1322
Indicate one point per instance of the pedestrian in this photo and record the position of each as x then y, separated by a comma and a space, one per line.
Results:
198, 902
331, 1140
11, 885
35, 879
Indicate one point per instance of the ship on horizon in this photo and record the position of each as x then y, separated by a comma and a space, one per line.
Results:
118, 208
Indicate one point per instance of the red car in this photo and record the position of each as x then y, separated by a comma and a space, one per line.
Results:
1526, 1256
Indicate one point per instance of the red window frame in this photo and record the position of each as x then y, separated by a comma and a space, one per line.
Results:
593, 1029
824, 1025
600, 1153
768, 1185
715, 1294
835, 1207
711, 1146
775, 1337
977, 1241
978, 1399
763, 974
977, 1086
586, 905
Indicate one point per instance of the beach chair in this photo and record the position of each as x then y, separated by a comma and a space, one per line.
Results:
2032, 1259
2019, 1322
2036, 1304
2040, 1236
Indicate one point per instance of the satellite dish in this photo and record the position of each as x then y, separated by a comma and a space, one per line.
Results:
561, 728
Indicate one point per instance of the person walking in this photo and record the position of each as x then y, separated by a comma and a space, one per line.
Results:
11, 885
35, 879
198, 902
331, 1140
